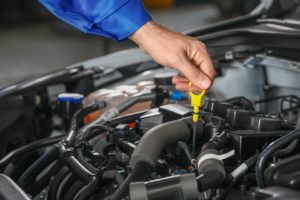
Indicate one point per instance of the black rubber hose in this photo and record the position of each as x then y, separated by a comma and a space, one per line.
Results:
29, 148
87, 165
237, 174
45, 179
158, 138
141, 172
242, 168
55, 183
217, 142
150, 147
251, 161
87, 190
84, 170
134, 100
269, 150
115, 111
63, 186
211, 171
77, 119
71, 193
287, 150
95, 130
78, 168
81, 169
125, 119
125, 146
37, 167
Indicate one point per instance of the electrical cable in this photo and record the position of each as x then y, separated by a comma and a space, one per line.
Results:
292, 100
237, 173
275, 98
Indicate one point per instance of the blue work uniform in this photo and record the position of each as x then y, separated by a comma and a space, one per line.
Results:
116, 19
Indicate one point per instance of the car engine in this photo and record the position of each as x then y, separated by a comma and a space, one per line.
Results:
135, 141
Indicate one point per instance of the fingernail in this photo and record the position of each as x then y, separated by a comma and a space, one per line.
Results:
205, 83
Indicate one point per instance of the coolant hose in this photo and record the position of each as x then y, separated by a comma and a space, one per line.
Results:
29, 176
158, 138
236, 174
116, 110
78, 117
268, 152
29, 148
134, 100
150, 147
210, 162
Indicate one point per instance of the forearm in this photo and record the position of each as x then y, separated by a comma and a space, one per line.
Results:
150, 29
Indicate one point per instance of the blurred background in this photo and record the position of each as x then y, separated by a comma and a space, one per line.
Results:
33, 42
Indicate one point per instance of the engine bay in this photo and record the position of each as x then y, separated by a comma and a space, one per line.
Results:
135, 141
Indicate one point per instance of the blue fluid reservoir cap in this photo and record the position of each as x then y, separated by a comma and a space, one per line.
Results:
176, 95
70, 97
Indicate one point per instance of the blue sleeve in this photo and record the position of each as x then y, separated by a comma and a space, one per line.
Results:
116, 19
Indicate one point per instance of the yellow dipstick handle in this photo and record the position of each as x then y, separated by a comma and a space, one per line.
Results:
196, 103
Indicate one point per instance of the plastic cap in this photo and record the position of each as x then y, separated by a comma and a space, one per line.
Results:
70, 97
177, 95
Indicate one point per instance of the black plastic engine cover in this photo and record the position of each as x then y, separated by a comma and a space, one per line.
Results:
247, 142
163, 114
261, 124
217, 107
262, 130
239, 118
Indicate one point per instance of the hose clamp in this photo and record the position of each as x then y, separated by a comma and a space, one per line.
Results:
216, 157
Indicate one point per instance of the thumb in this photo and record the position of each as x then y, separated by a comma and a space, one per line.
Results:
195, 75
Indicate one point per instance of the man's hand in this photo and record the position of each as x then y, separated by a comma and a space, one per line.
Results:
179, 51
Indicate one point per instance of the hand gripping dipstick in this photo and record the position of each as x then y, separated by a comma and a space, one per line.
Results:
196, 103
